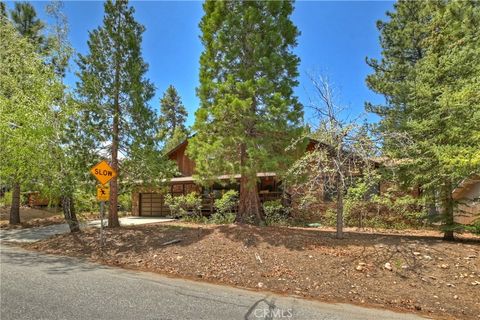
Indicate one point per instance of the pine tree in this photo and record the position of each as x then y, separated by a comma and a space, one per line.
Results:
24, 18
248, 113
172, 119
432, 116
113, 85
3, 10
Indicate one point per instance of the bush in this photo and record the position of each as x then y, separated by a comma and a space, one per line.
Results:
275, 213
85, 201
474, 228
125, 201
225, 208
227, 203
6, 200
382, 211
184, 206
222, 218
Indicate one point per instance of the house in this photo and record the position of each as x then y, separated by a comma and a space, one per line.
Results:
467, 196
150, 201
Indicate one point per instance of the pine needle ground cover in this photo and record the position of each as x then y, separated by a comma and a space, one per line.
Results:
419, 273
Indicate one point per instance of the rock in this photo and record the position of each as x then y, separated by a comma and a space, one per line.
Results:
359, 268
362, 264
388, 266
455, 297
179, 257
416, 253
450, 285
404, 266
427, 257
444, 266
260, 285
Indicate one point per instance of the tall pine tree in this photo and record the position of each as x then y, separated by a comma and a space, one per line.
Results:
24, 18
172, 119
248, 113
113, 86
429, 75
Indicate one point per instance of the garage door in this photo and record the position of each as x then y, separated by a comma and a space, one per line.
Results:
151, 204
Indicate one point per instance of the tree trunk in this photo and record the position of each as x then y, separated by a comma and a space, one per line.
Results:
249, 202
448, 207
339, 208
432, 206
113, 208
15, 208
68, 207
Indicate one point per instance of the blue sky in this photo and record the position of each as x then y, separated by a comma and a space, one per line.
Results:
336, 37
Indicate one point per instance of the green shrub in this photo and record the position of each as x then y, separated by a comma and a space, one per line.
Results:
6, 200
473, 228
85, 201
225, 208
195, 218
330, 218
382, 211
222, 218
125, 201
275, 213
184, 206
227, 203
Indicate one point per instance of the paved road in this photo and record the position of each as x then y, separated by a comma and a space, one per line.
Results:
35, 234
38, 286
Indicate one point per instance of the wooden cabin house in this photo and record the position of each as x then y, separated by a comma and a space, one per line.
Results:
150, 202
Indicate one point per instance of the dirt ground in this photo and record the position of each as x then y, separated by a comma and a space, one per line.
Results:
416, 273
32, 217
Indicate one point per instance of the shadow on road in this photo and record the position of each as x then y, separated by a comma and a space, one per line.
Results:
50, 263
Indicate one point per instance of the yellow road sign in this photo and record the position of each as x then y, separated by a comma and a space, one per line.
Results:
103, 172
103, 193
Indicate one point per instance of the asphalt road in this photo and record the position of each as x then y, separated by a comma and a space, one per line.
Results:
38, 286
35, 234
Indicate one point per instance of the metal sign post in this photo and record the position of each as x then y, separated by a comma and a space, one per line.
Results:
102, 210
103, 173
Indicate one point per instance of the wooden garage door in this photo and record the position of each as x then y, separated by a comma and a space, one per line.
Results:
151, 204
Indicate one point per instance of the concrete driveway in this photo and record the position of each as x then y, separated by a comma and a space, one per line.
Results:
40, 233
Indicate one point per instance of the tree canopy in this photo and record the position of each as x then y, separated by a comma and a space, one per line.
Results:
429, 75
248, 113
172, 119
114, 90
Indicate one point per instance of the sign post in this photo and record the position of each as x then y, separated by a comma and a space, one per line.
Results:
103, 195
103, 173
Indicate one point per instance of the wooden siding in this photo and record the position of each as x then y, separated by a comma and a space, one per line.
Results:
185, 165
